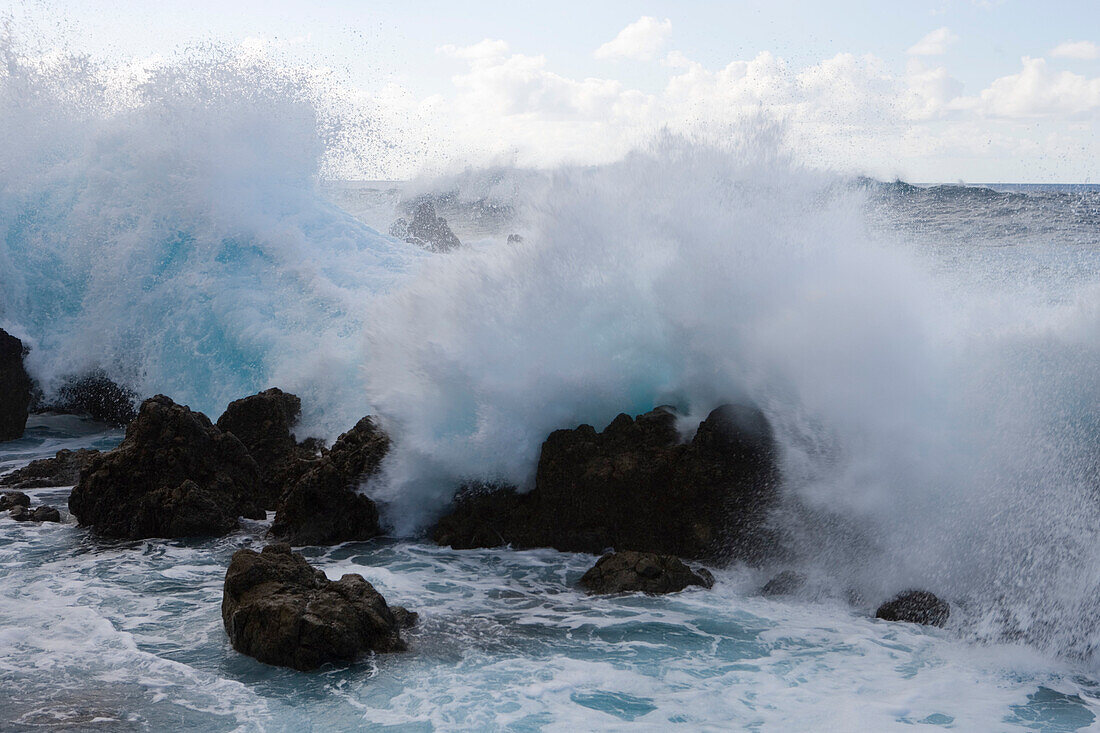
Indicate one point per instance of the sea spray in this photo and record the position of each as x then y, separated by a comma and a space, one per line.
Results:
936, 432
163, 224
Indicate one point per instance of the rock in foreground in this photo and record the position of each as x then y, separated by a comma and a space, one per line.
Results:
61, 470
636, 486
12, 499
38, 514
15, 388
174, 475
915, 607
263, 423
323, 507
280, 610
645, 572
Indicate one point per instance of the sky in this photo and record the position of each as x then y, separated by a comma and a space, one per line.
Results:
937, 91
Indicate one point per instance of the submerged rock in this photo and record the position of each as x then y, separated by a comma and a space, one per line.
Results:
426, 230
645, 572
916, 607
636, 486
61, 470
38, 514
11, 499
280, 610
323, 507
174, 475
15, 388
787, 583
263, 424
96, 396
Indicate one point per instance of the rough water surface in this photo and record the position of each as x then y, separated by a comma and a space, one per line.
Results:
100, 635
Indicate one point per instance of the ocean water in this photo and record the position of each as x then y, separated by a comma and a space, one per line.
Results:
101, 635
929, 357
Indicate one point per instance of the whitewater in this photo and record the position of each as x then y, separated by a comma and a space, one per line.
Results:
928, 356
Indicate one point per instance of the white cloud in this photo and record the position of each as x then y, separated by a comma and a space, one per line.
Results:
640, 40
1084, 50
933, 44
846, 112
1038, 91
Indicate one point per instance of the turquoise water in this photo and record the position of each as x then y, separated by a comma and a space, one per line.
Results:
98, 635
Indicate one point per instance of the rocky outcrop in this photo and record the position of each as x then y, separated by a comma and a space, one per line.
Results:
280, 610
94, 395
636, 486
644, 572
174, 475
38, 514
916, 607
12, 499
15, 388
263, 423
786, 583
323, 507
426, 230
61, 470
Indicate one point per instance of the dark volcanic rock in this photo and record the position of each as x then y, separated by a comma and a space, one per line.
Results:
280, 610
38, 514
426, 230
15, 388
96, 396
10, 499
174, 475
787, 583
61, 470
916, 607
621, 572
635, 486
323, 506
263, 423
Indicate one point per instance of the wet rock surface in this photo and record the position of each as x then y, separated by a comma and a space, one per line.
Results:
786, 583
61, 470
645, 572
12, 499
263, 423
636, 486
96, 396
280, 610
38, 514
426, 230
916, 607
323, 507
15, 388
174, 475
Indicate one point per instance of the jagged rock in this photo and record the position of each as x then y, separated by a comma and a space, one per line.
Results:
916, 607
174, 475
10, 499
323, 506
787, 583
38, 514
263, 424
61, 470
426, 230
646, 572
96, 396
637, 487
15, 388
280, 610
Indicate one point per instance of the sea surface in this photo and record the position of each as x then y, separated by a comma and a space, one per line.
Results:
105, 635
